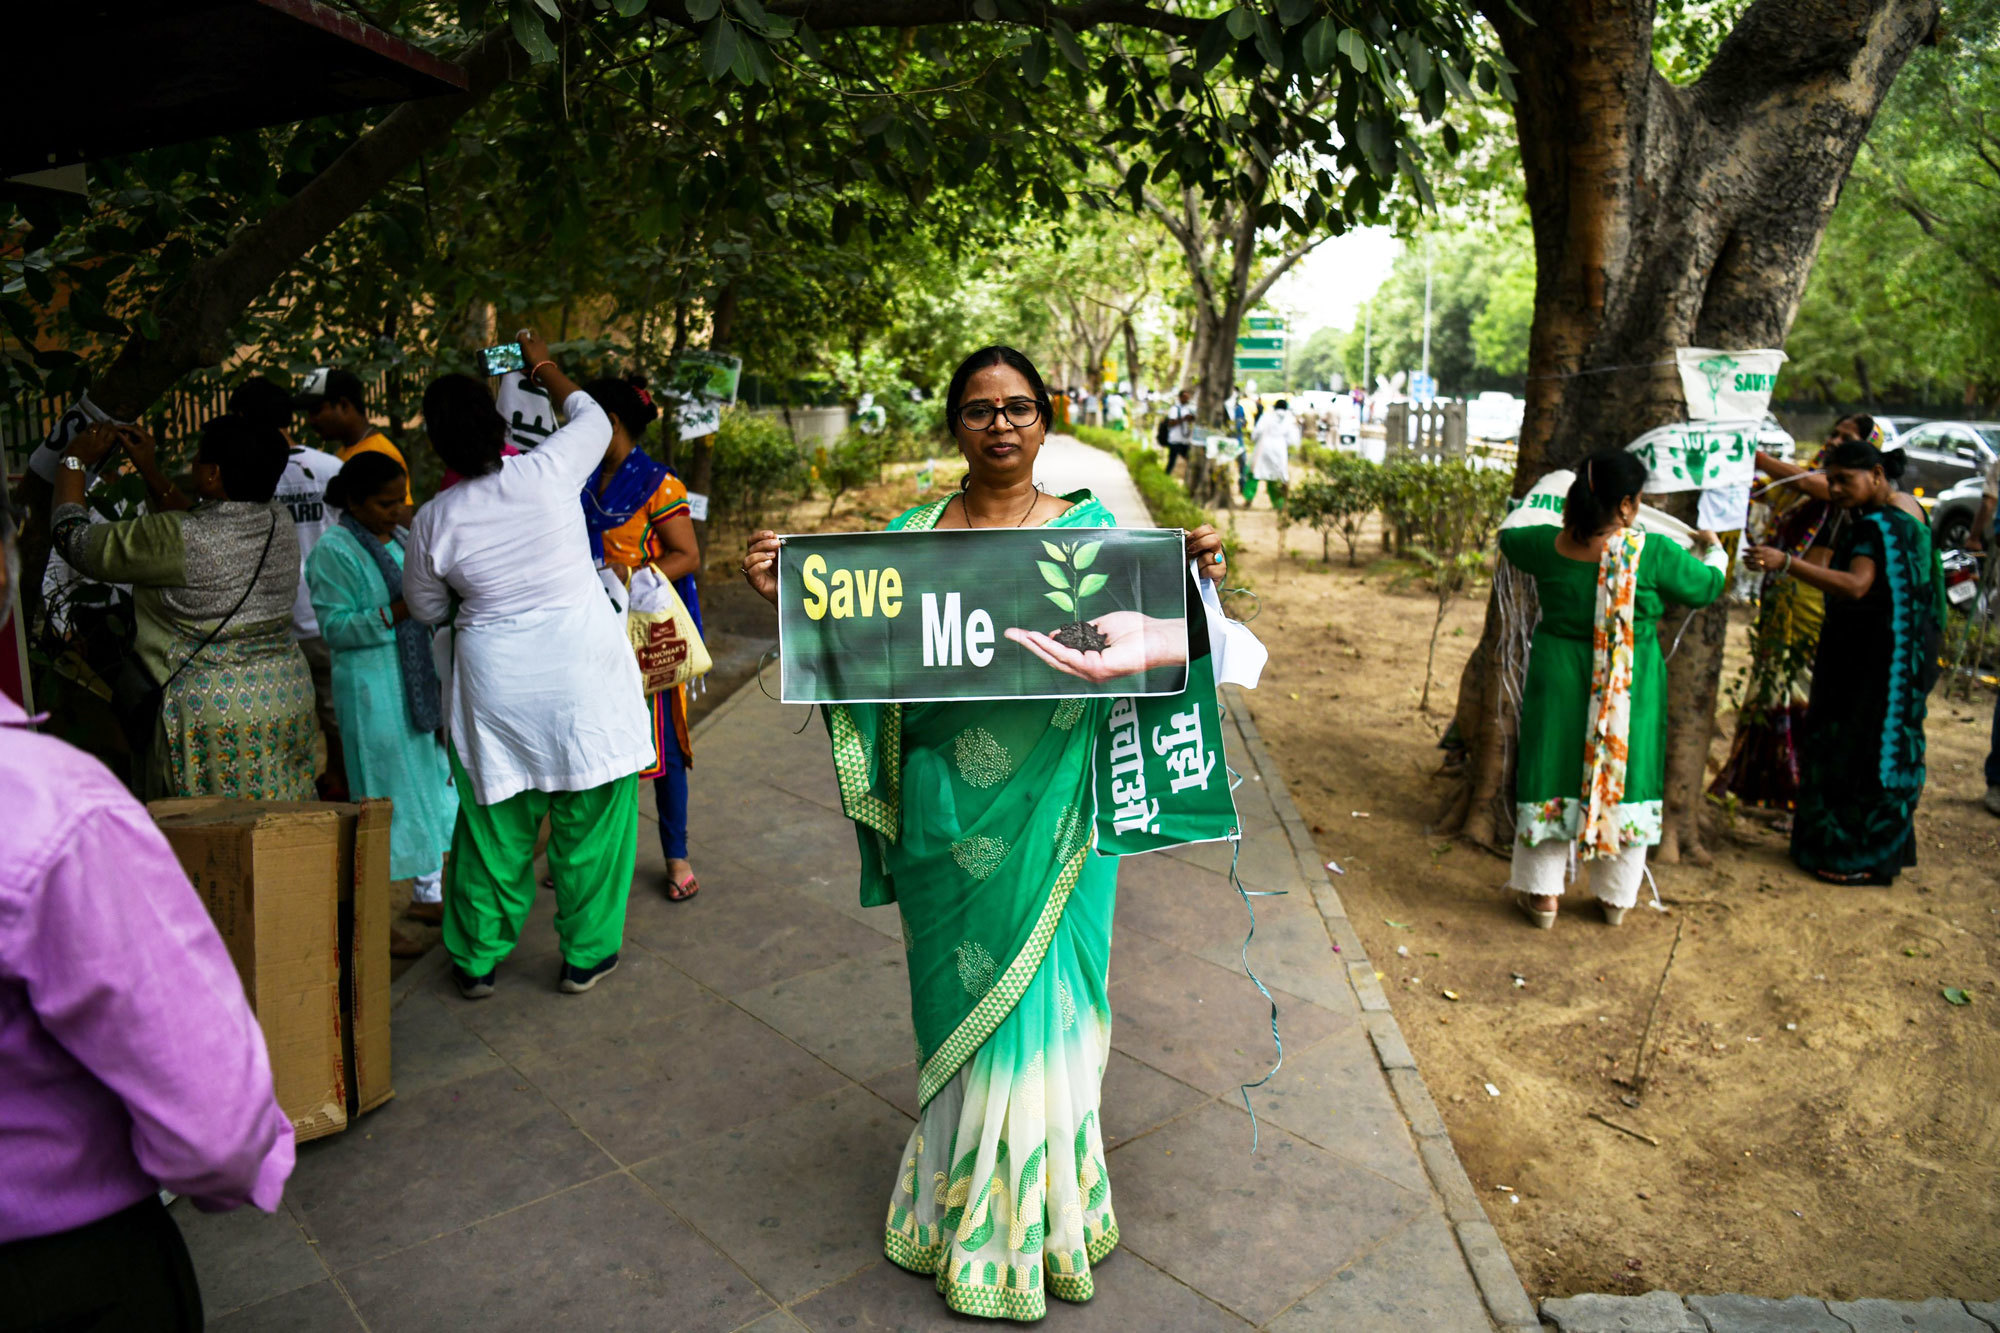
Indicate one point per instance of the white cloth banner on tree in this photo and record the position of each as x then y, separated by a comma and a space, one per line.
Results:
1724, 508
530, 416
1728, 386
1698, 455
1542, 507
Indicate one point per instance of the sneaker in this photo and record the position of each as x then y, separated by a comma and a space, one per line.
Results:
574, 980
471, 987
1992, 801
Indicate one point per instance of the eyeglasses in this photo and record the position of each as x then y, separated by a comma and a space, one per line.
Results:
1021, 413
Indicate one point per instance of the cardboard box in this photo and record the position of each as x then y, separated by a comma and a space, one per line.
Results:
299, 892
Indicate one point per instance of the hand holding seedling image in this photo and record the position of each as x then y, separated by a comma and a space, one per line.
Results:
1128, 643
1064, 571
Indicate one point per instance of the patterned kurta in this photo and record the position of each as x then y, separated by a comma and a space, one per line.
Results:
239, 720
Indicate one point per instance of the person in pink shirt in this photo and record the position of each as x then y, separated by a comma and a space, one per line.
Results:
129, 1060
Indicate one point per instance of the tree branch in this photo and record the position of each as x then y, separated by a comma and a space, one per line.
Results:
195, 317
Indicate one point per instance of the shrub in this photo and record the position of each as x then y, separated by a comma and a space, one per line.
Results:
854, 461
754, 459
1448, 511
1340, 499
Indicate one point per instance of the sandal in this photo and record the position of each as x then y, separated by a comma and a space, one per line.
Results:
1542, 920
684, 890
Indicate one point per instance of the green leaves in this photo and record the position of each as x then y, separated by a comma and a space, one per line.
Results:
1321, 45
1052, 575
1086, 555
1091, 583
1062, 600
529, 32
1242, 21
1214, 44
1055, 552
1035, 61
1956, 995
1355, 47
718, 49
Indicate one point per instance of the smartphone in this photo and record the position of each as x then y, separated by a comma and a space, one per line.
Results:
501, 359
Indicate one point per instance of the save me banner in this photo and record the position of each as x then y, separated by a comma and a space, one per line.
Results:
910, 617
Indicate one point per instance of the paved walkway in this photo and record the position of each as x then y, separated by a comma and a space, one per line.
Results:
708, 1140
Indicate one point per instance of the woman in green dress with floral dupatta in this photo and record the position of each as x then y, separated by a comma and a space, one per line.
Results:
1862, 746
976, 819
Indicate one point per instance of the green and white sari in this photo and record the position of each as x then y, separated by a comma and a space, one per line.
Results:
976, 820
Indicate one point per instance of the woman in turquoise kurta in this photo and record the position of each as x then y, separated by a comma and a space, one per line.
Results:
384, 688
976, 819
1591, 774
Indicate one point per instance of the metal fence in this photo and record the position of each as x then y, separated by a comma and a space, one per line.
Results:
175, 420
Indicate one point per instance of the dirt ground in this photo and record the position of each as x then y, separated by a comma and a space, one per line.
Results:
1825, 1118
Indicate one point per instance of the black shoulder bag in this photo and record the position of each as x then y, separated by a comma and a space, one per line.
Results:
136, 699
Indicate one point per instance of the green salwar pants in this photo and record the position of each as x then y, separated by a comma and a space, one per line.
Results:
593, 848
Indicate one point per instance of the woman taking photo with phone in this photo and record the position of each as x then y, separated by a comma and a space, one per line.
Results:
542, 699
221, 700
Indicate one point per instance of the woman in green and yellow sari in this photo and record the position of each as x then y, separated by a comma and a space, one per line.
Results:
976, 819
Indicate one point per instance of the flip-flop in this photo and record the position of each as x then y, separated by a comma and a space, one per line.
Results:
684, 890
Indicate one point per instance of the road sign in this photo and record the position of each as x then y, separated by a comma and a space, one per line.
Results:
1266, 323
1267, 344
1260, 362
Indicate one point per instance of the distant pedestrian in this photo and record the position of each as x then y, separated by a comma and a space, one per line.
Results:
1179, 429
1271, 445
129, 1060
1862, 747
1591, 775
336, 408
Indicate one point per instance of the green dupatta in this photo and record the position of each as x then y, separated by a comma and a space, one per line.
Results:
975, 818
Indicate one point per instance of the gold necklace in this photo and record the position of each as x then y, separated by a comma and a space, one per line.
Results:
1033, 500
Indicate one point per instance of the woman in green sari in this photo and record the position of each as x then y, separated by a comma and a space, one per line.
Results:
976, 819
1862, 747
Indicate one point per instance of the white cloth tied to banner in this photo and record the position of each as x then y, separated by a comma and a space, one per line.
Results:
1698, 455
1728, 386
1238, 655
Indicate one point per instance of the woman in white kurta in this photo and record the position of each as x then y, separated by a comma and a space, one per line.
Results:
1271, 444
542, 695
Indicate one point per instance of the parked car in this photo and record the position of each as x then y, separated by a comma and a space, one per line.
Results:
1953, 512
1945, 453
1895, 428
1495, 415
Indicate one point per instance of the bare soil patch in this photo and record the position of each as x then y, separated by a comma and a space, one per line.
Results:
1826, 1119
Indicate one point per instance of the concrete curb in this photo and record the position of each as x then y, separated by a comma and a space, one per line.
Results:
1507, 1300
1668, 1312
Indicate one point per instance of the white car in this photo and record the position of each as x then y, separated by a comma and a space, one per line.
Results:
1494, 416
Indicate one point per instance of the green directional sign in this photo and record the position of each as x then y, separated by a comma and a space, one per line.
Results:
1266, 323
1260, 362
1268, 344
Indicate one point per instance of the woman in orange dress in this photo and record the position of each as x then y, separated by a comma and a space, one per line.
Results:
636, 511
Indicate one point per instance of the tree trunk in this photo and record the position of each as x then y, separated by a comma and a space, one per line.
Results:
1667, 217
1131, 359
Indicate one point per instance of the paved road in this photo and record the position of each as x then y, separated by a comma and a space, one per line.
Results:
708, 1141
